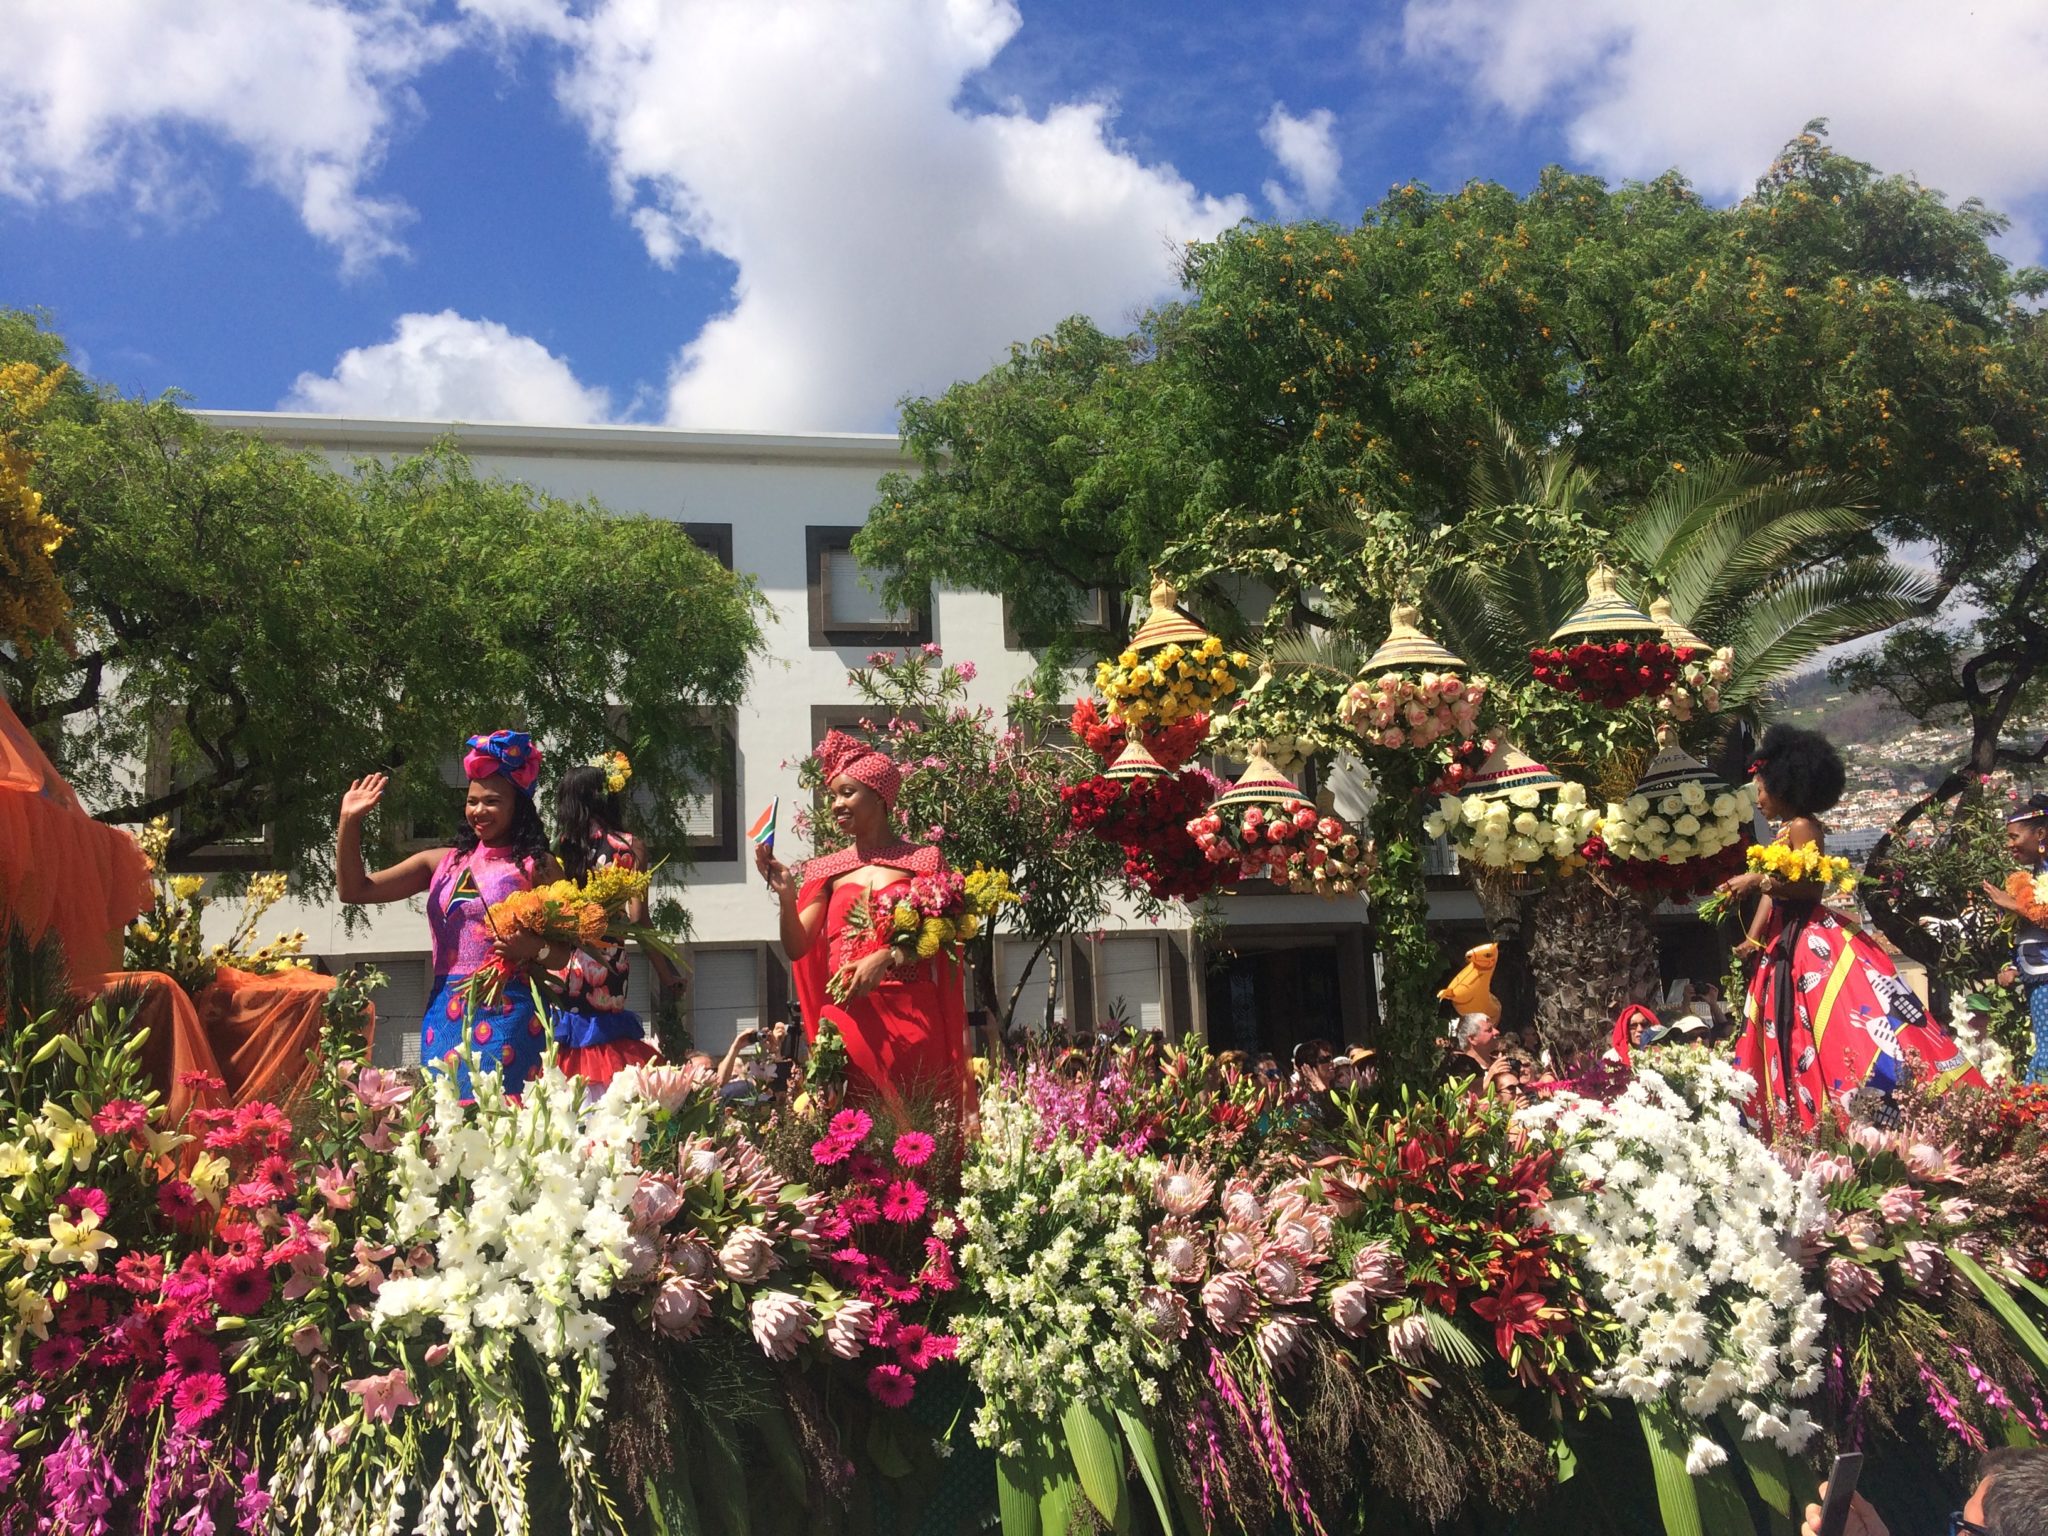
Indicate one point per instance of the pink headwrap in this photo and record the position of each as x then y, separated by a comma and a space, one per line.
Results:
511, 753
840, 756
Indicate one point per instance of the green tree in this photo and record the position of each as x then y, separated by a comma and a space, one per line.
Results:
255, 628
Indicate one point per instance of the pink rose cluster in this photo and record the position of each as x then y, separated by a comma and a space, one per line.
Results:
1400, 711
1259, 840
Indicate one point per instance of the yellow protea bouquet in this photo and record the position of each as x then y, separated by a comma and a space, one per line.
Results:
1167, 685
1803, 866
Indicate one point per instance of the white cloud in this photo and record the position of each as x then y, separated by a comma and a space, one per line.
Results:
97, 96
1306, 148
889, 239
1949, 93
449, 367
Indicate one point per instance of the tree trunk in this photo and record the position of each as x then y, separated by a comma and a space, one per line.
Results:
1397, 906
1593, 952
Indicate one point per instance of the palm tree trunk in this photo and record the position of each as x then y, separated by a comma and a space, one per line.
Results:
1593, 953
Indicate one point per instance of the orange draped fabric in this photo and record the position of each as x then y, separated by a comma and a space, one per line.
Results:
61, 871
259, 1035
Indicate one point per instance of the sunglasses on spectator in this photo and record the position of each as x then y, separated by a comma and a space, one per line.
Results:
1959, 1525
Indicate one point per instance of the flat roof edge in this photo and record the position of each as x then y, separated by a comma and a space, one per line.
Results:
369, 434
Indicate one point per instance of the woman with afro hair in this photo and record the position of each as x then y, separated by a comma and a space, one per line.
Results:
1827, 1015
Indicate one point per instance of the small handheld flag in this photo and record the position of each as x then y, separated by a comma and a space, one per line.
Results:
762, 832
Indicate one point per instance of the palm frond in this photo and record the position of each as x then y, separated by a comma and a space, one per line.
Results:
1321, 651
1787, 625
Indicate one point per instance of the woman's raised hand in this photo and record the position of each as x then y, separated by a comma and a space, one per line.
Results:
774, 871
363, 794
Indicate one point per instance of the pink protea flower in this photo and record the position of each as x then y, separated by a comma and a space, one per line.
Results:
1282, 1275
1408, 1339
1183, 1187
1379, 1269
1852, 1286
1237, 1250
781, 1322
849, 1329
667, 1084
642, 1258
655, 1202
1902, 1203
1923, 1266
689, 1256
1180, 1253
1832, 1168
1934, 1164
1165, 1313
1280, 1340
1861, 1231
680, 1307
747, 1256
1353, 1306
1242, 1206
1230, 1303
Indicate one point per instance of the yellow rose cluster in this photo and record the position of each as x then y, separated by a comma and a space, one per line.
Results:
1802, 866
1171, 683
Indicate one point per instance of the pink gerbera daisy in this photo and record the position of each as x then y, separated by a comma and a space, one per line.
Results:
891, 1386
241, 1286
859, 1209
117, 1117
78, 1198
914, 1149
57, 1354
192, 1354
198, 1398
174, 1197
904, 1202
828, 1150
852, 1125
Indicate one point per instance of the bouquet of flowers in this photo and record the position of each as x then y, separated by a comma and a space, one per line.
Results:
1686, 1220
1148, 819
1170, 745
1254, 839
1332, 860
1399, 711
937, 912
2030, 891
563, 913
1518, 830
1681, 841
1701, 677
1805, 865
167, 937
1611, 673
1166, 686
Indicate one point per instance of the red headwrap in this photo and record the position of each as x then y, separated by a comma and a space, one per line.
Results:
840, 756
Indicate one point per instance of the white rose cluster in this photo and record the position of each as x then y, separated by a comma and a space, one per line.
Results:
1688, 1240
1515, 829
1691, 821
1055, 1256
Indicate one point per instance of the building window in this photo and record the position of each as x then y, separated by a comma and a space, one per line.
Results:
438, 829
1092, 620
242, 847
1041, 974
727, 988
844, 611
711, 818
400, 1003
1130, 982
715, 539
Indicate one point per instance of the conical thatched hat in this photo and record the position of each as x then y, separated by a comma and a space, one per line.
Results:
1164, 625
1511, 768
1261, 784
1675, 633
1673, 767
1407, 648
1605, 614
1135, 762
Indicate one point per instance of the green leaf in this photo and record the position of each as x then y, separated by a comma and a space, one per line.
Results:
1017, 1496
883, 1450
1677, 1499
1056, 1504
1145, 1452
1722, 1512
1768, 1474
1451, 1341
1097, 1454
2018, 1326
727, 1490
1566, 1458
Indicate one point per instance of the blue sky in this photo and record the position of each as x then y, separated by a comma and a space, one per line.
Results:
785, 214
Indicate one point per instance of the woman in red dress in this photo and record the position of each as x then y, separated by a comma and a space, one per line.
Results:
904, 1020
1827, 1014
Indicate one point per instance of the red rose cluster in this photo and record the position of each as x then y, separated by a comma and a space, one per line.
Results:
1467, 758
1676, 881
1171, 745
1612, 674
1148, 819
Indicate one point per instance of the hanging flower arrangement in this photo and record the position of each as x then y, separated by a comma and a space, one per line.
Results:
1106, 736
1608, 651
1703, 671
1413, 694
1331, 860
1681, 831
1256, 825
1518, 818
1172, 669
1147, 817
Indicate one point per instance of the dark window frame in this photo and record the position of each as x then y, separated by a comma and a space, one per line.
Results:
715, 539
821, 541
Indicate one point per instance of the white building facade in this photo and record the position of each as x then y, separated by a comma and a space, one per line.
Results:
782, 509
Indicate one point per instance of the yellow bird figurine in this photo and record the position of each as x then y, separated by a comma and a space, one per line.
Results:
1471, 990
